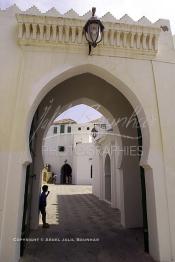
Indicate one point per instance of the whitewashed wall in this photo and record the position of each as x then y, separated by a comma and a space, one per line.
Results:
28, 73
83, 157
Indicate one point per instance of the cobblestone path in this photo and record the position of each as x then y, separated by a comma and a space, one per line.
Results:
83, 229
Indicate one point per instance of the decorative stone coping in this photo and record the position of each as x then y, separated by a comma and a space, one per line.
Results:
122, 36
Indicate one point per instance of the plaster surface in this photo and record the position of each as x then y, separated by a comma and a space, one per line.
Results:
30, 72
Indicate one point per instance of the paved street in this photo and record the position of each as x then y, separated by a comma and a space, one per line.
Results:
83, 229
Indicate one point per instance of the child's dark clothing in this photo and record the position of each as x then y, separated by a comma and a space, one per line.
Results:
42, 201
42, 206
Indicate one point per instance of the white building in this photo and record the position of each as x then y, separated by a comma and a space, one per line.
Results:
67, 140
45, 66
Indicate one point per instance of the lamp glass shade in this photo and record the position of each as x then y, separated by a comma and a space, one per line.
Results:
93, 32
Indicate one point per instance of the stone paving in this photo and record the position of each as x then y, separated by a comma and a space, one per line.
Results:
83, 229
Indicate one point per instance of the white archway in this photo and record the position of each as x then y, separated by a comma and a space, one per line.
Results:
118, 85
55, 78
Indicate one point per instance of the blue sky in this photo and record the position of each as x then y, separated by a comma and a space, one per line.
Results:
153, 10
80, 113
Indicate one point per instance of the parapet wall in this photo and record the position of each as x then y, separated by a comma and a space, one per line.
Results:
122, 37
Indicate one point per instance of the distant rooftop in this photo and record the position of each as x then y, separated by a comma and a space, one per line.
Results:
100, 119
64, 121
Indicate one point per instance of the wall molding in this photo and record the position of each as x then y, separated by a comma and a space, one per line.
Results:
66, 32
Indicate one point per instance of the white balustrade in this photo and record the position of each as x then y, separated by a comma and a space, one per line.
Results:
41, 30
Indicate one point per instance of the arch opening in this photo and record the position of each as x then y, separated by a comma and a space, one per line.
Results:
55, 78
88, 87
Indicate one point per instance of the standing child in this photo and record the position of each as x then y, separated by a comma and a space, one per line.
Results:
43, 204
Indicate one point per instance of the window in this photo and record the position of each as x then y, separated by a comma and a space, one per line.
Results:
79, 128
88, 128
55, 129
69, 129
62, 127
61, 148
103, 126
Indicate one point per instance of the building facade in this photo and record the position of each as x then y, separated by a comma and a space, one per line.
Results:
68, 140
44, 67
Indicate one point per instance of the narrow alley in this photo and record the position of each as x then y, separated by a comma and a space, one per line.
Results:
83, 228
